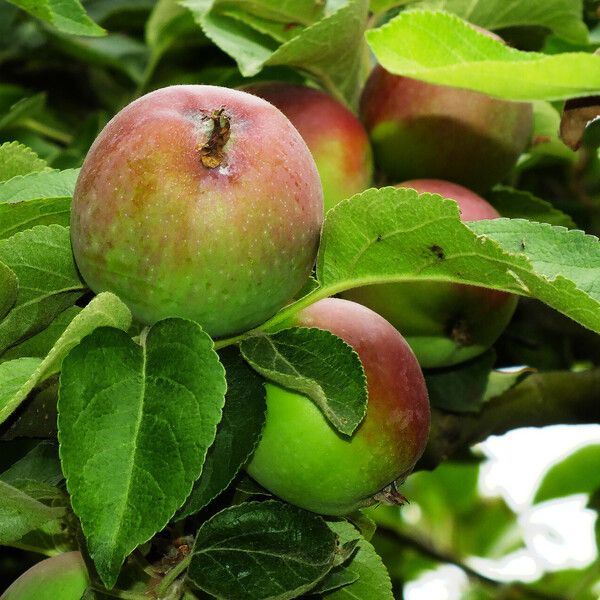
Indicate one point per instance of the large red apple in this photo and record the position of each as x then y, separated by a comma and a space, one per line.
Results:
419, 129
198, 202
303, 460
444, 323
337, 139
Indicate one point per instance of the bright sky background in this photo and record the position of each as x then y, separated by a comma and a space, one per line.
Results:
558, 534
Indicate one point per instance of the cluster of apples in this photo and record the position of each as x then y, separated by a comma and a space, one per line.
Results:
207, 203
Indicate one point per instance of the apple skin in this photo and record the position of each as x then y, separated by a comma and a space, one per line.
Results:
336, 138
225, 245
61, 577
444, 323
419, 129
303, 460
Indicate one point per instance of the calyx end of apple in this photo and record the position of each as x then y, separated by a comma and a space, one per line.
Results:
211, 152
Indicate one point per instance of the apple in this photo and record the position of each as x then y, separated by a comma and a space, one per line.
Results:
304, 460
198, 202
419, 129
61, 577
444, 323
336, 138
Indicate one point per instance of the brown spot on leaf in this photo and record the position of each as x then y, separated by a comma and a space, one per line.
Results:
211, 152
438, 251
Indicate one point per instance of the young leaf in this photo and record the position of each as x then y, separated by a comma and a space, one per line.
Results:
260, 550
442, 49
317, 363
9, 286
518, 204
563, 17
44, 184
238, 432
48, 280
21, 514
17, 159
66, 15
135, 423
579, 473
372, 580
104, 310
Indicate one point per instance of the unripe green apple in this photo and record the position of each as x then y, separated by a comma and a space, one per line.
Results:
336, 138
304, 460
419, 129
198, 202
444, 323
61, 577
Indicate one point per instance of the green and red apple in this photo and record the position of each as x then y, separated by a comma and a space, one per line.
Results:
336, 138
444, 323
304, 460
61, 577
198, 202
419, 130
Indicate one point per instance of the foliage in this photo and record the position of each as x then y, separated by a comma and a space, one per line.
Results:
156, 424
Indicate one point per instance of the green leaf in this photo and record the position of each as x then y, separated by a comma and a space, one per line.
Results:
21, 514
103, 311
48, 280
37, 417
372, 580
442, 49
460, 389
115, 50
14, 376
330, 49
545, 140
20, 216
40, 344
260, 550
502, 381
317, 363
23, 109
40, 464
563, 17
169, 21
66, 15
518, 204
35, 186
563, 265
135, 423
9, 286
17, 159
395, 234
238, 432
579, 473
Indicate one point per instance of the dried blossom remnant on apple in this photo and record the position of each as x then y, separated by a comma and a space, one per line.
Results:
211, 153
